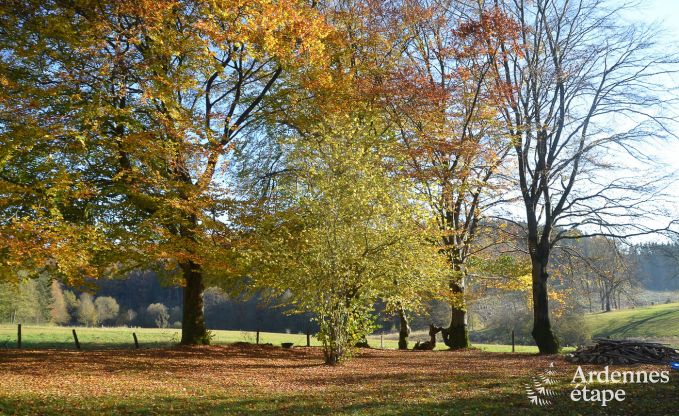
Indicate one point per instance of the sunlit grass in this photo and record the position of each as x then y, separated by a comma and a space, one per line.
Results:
652, 322
120, 337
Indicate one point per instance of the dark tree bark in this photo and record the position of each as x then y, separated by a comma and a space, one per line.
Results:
193, 321
404, 331
456, 336
545, 339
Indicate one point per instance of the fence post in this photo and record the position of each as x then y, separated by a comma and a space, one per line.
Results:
19, 336
512, 340
257, 336
75, 337
136, 342
308, 337
381, 340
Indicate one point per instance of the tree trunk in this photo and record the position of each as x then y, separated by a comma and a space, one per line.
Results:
193, 321
542, 329
404, 331
332, 356
456, 336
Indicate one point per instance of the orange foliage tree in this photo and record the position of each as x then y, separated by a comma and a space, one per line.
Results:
445, 100
119, 120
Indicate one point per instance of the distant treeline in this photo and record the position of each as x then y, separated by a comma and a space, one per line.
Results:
143, 300
140, 300
657, 266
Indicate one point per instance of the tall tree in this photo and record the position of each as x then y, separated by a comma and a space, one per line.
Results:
58, 308
87, 311
446, 104
119, 120
580, 97
344, 233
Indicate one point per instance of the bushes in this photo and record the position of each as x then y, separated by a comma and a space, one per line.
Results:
107, 308
158, 314
572, 330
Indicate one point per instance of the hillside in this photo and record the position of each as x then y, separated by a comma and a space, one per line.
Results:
659, 322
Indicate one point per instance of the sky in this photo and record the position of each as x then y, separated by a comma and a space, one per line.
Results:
665, 13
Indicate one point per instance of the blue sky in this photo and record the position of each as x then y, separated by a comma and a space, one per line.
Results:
665, 13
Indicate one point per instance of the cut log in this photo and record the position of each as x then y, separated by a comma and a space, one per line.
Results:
609, 351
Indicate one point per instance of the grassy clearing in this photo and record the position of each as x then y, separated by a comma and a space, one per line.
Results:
651, 322
121, 338
260, 380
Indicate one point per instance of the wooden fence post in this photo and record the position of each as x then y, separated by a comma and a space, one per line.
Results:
258, 336
136, 342
19, 336
75, 337
381, 340
512, 340
308, 336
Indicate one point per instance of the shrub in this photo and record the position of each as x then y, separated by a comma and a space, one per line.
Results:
159, 314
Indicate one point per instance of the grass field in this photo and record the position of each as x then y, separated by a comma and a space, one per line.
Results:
105, 338
653, 322
244, 379
659, 322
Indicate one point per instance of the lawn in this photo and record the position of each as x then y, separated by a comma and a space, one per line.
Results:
245, 379
652, 322
120, 338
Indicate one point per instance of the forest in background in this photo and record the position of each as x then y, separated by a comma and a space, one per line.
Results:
648, 275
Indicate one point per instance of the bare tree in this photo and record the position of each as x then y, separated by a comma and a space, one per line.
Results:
583, 94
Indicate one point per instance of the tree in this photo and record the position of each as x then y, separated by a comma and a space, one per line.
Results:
579, 97
128, 316
107, 308
7, 300
119, 119
87, 312
343, 233
72, 302
58, 309
607, 269
159, 314
447, 110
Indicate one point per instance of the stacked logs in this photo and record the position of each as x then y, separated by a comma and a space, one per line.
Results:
608, 351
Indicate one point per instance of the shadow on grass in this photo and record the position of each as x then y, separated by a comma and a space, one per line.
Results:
635, 325
652, 400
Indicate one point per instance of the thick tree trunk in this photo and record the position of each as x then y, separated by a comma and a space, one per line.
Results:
404, 331
193, 321
542, 329
456, 336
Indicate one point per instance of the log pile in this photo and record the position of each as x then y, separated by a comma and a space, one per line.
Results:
608, 351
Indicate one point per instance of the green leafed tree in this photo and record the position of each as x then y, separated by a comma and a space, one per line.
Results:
344, 232
87, 311
158, 313
107, 308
